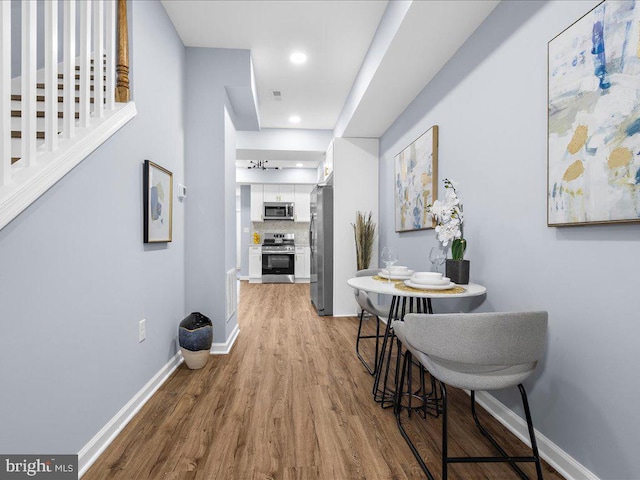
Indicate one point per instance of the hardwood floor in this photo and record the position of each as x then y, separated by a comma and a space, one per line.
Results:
291, 401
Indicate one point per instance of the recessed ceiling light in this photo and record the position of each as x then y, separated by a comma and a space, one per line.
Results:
294, 119
298, 58
299, 165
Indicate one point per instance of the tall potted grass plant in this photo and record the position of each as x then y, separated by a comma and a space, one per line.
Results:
364, 231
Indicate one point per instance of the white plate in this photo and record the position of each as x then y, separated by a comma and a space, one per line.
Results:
424, 281
423, 286
385, 274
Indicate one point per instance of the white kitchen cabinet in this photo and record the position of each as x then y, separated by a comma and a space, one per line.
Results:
278, 193
257, 211
302, 207
303, 263
255, 262
287, 193
299, 268
307, 262
271, 193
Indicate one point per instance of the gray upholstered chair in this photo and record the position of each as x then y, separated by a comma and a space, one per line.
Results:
474, 351
380, 314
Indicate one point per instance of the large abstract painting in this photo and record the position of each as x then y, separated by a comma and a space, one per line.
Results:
416, 180
158, 203
594, 118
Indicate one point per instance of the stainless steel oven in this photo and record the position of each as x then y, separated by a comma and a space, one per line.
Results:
278, 258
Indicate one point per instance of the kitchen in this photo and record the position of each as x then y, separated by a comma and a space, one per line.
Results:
287, 228
274, 225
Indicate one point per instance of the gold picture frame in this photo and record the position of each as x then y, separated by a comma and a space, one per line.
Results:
416, 182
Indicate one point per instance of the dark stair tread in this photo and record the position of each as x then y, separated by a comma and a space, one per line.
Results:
39, 114
61, 87
40, 98
77, 77
14, 160
18, 134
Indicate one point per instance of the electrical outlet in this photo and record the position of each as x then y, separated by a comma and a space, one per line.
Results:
142, 330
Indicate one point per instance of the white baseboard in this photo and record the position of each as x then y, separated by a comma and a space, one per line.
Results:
243, 278
92, 450
566, 465
224, 348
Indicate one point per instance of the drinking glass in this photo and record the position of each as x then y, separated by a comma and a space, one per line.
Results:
437, 256
389, 256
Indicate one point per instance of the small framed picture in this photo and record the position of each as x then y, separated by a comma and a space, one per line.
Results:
158, 203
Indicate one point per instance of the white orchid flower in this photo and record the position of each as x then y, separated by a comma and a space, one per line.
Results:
448, 215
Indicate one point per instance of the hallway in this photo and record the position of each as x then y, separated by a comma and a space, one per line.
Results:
291, 401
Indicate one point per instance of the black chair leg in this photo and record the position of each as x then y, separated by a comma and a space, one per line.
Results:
398, 413
504, 456
445, 444
372, 371
397, 397
532, 435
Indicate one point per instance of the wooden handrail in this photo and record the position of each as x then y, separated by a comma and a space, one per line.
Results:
122, 67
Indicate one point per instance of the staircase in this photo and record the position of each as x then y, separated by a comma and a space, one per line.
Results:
53, 117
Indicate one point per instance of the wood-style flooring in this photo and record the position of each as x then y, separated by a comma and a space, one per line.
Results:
291, 401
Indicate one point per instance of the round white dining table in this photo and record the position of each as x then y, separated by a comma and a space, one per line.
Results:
369, 285
402, 302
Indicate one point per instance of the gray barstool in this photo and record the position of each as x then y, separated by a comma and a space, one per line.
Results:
474, 351
380, 313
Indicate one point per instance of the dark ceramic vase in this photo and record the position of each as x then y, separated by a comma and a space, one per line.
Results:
458, 271
195, 336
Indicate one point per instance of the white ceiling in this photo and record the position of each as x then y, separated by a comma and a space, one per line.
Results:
430, 34
336, 36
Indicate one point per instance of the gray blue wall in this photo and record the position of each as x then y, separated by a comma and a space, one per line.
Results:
75, 276
211, 205
490, 102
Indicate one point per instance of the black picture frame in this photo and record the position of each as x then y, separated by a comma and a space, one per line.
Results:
158, 203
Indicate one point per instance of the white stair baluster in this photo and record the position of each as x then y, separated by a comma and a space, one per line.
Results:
51, 74
98, 59
85, 56
69, 69
28, 105
5, 92
110, 47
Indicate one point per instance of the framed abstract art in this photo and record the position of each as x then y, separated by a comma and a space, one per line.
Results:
416, 182
158, 203
594, 118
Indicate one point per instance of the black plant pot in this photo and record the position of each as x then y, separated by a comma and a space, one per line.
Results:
458, 271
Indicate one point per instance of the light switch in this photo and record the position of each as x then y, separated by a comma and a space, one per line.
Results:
182, 191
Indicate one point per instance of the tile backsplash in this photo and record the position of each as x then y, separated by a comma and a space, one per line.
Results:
300, 229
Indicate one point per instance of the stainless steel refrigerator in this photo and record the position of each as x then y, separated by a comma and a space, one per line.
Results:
321, 246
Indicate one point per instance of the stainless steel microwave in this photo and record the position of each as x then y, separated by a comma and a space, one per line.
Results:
278, 211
